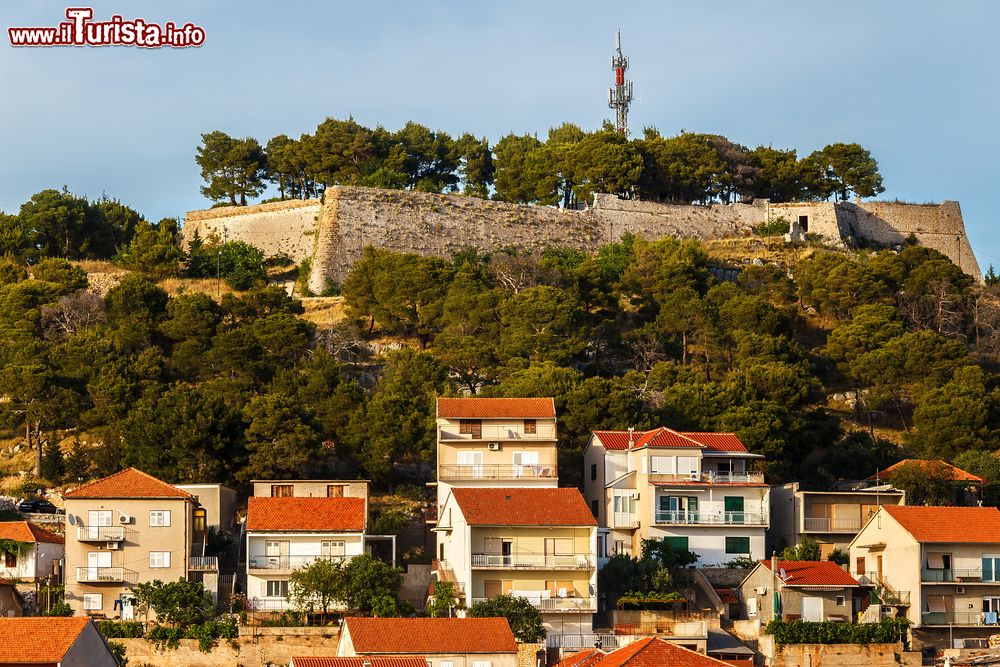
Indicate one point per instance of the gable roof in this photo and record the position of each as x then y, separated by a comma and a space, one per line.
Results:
655, 652
812, 573
315, 514
25, 531
129, 483
584, 658
523, 507
667, 437
430, 636
359, 661
38, 639
496, 408
957, 474
970, 525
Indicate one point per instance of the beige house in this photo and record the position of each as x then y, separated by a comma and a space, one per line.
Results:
40, 555
311, 488
807, 591
495, 442
942, 564
539, 544
445, 642
122, 530
699, 491
51, 641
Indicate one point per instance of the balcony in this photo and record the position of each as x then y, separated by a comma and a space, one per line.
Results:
974, 618
557, 604
828, 525
707, 477
624, 520
680, 518
533, 561
497, 434
100, 533
105, 575
497, 471
958, 575
203, 563
272, 563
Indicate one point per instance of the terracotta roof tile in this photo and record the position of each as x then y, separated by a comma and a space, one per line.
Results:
25, 531
584, 658
38, 639
972, 525
653, 652
359, 661
306, 514
812, 573
129, 483
957, 474
666, 437
523, 507
496, 408
430, 636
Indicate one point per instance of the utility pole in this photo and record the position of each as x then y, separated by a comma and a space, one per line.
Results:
620, 95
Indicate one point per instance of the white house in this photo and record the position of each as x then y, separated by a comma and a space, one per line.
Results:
37, 558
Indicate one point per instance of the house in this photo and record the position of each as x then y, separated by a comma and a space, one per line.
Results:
122, 530
373, 661
807, 590
11, 602
967, 488
215, 507
832, 518
53, 641
699, 491
495, 442
445, 642
286, 533
39, 555
649, 651
536, 543
941, 564
311, 488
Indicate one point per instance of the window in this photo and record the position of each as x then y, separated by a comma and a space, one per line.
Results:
276, 589
93, 601
593, 471
594, 507
332, 548
482, 663
200, 519
10, 559
804, 223
560, 588
445, 663
677, 543
734, 509
737, 545
335, 490
159, 559
991, 567
529, 426
522, 459
859, 565
663, 465
159, 518
282, 490
96, 519
751, 607
473, 427
687, 465
841, 601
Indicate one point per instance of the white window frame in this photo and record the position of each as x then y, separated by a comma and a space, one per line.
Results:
159, 518
482, 663
159, 559
89, 604
267, 588
841, 600
333, 548
661, 465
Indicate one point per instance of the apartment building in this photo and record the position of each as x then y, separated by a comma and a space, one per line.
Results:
125, 529
699, 491
941, 564
444, 642
286, 533
39, 555
806, 590
539, 544
495, 442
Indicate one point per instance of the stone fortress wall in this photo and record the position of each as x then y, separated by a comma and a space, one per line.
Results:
334, 233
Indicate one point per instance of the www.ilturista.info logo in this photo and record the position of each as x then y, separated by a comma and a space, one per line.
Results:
80, 30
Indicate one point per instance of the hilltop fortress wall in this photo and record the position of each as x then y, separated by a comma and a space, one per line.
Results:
334, 233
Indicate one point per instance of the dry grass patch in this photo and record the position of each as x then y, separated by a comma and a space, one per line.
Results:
324, 311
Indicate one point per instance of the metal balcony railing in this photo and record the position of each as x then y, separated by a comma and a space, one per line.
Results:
711, 519
951, 574
498, 471
498, 433
258, 562
100, 533
204, 563
708, 477
534, 561
956, 618
624, 520
105, 575
581, 641
567, 604
828, 525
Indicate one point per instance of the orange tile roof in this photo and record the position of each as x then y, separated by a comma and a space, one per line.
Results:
971, 525
38, 639
306, 514
496, 408
523, 507
430, 636
25, 531
654, 652
957, 474
584, 658
812, 573
359, 661
667, 437
129, 483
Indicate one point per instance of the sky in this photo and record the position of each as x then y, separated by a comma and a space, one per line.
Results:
914, 81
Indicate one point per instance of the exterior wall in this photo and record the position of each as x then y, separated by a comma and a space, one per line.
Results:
279, 227
821, 217
901, 558
89, 650
219, 503
353, 488
710, 542
791, 598
10, 603
133, 552
261, 650
842, 655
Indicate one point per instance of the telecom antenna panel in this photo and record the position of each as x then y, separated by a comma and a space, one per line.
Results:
620, 96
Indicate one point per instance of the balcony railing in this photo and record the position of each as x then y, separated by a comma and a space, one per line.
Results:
953, 574
582, 641
568, 604
957, 618
258, 562
498, 471
204, 563
498, 433
105, 575
100, 533
828, 525
624, 520
708, 477
534, 561
711, 519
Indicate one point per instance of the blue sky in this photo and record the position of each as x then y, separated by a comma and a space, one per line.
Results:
913, 81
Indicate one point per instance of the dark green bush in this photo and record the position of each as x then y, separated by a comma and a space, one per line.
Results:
887, 631
773, 227
120, 629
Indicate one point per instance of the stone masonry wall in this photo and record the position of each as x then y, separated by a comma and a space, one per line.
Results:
278, 227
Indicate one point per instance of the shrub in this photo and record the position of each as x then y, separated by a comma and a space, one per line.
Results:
741, 561
839, 556
887, 631
633, 600
59, 609
773, 227
118, 650
120, 629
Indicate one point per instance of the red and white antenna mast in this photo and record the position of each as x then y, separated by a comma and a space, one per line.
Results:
620, 95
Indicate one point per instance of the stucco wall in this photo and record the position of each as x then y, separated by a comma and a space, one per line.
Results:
279, 227
842, 655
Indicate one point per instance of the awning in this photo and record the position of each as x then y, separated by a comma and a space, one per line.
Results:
935, 561
935, 603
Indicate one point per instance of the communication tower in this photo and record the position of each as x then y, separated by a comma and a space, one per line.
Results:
620, 96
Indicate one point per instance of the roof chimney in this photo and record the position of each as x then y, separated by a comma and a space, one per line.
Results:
631, 433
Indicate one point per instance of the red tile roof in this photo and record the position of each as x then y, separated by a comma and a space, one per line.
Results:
129, 483
654, 652
306, 514
496, 408
38, 639
359, 661
812, 573
430, 636
666, 437
956, 474
523, 507
971, 525
25, 531
584, 658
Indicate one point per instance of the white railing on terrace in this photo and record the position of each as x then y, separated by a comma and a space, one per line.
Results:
203, 563
498, 433
567, 604
498, 471
828, 525
258, 562
100, 533
536, 561
105, 574
711, 519
708, 477
584, 641
625, 520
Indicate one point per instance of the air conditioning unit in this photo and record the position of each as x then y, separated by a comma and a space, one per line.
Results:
960, 590
124, 518
493, 446
112, 545
695, 477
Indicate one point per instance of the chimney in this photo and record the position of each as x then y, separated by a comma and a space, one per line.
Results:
631, 440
